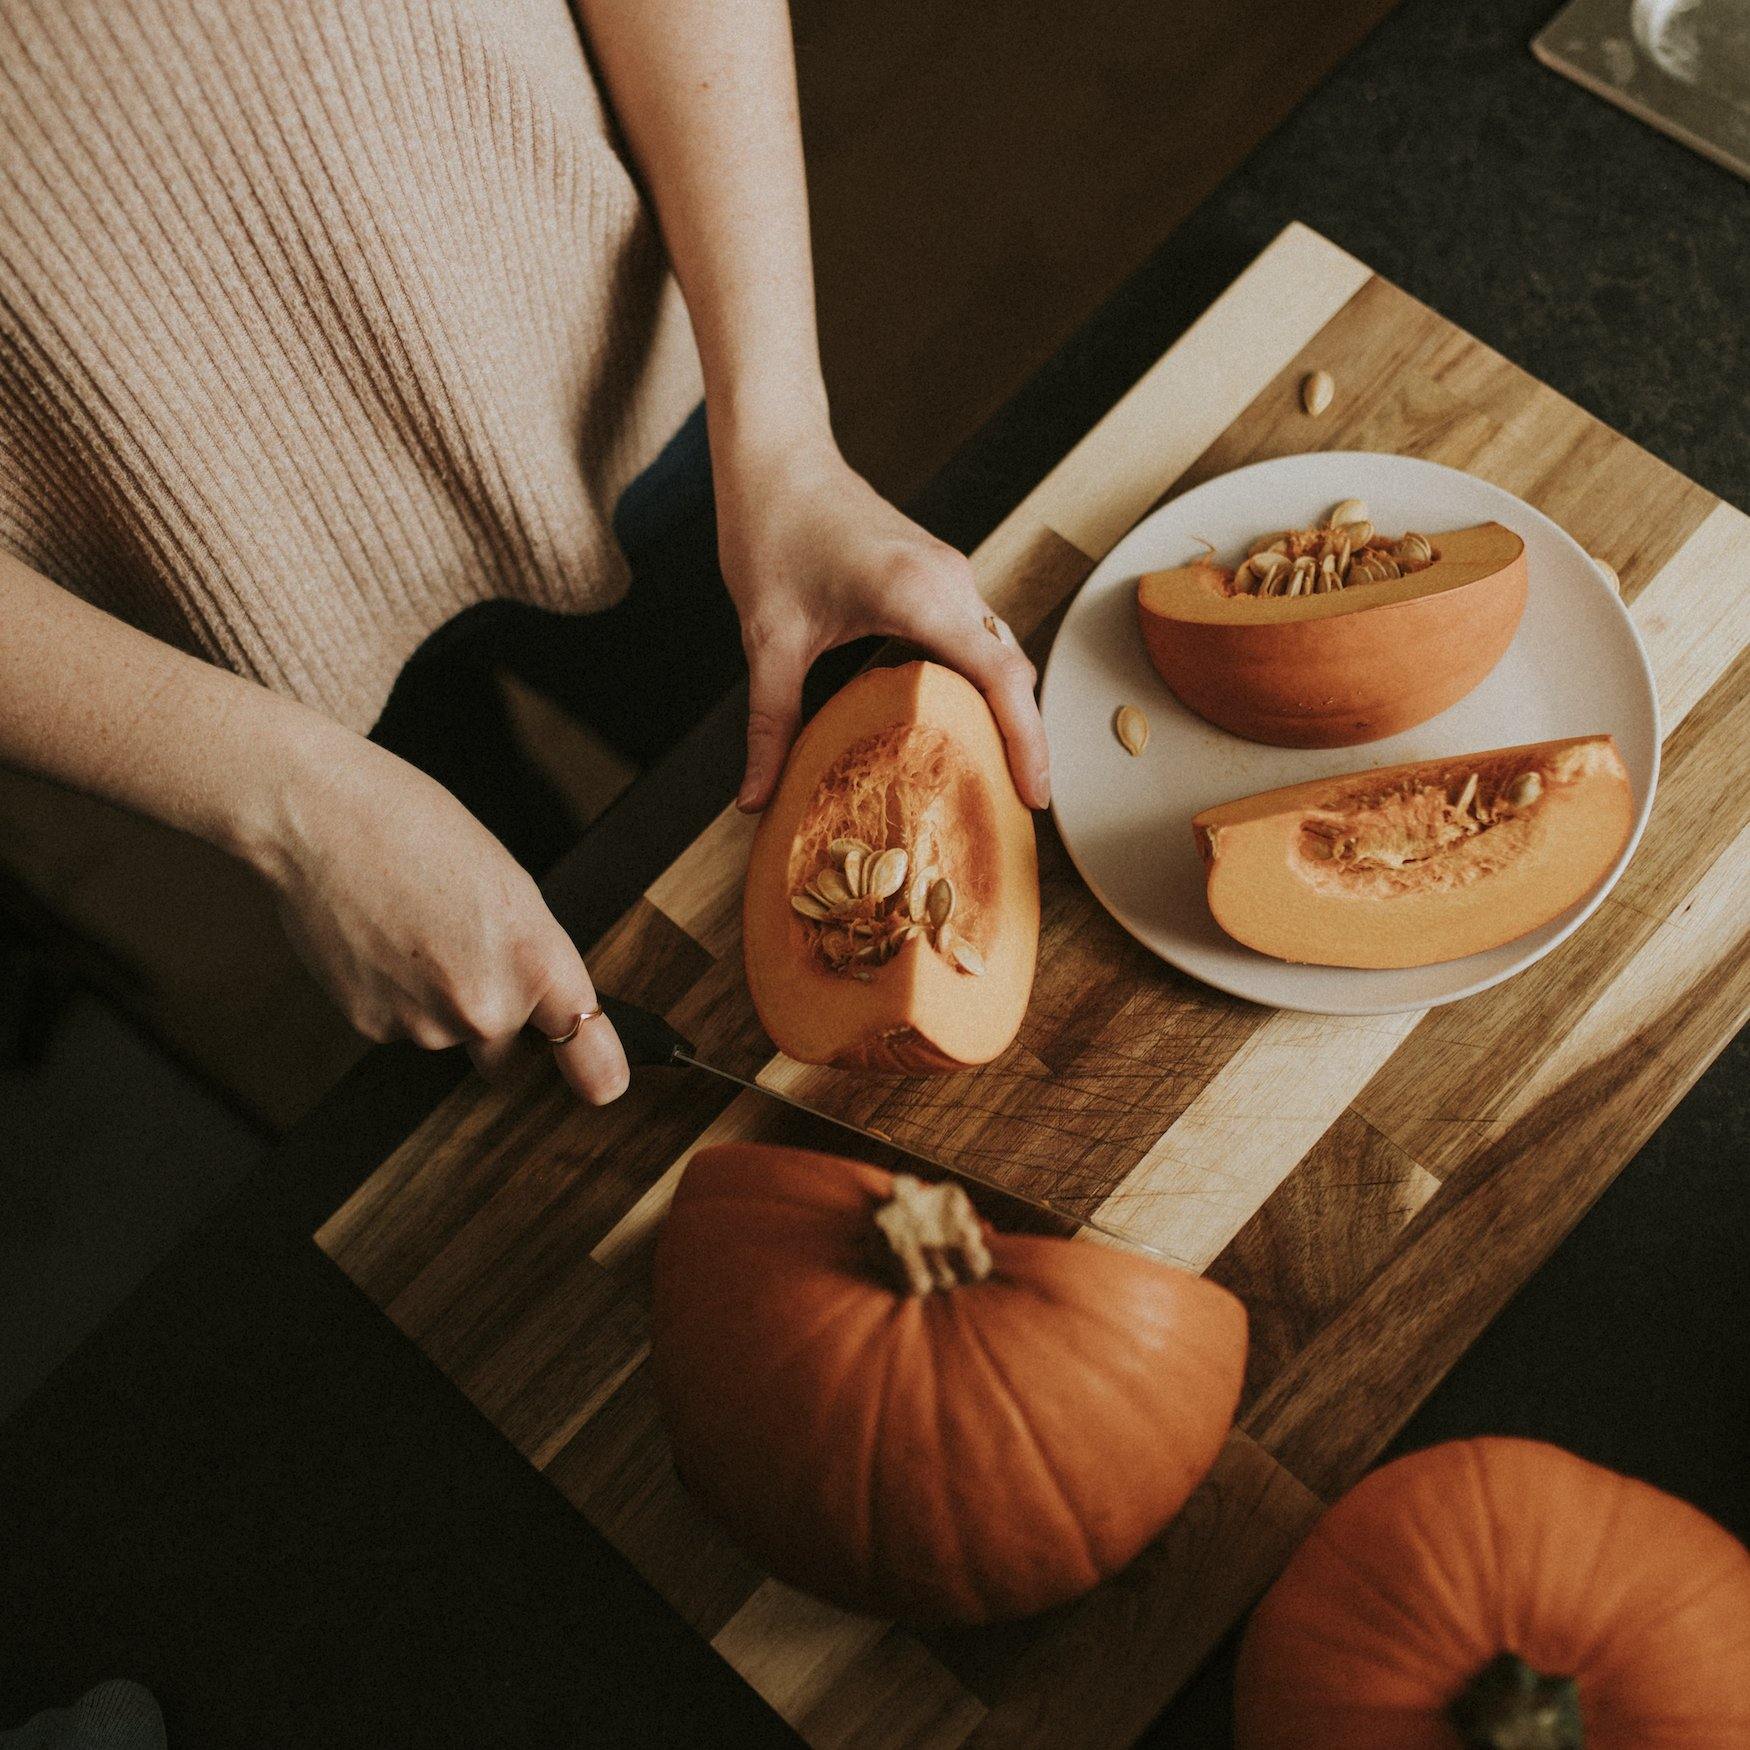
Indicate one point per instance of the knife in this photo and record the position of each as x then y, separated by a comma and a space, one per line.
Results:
651, 1042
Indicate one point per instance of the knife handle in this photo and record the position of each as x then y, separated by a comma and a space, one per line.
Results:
647, 1037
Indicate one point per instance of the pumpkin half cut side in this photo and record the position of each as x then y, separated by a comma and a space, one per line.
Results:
891, 914
1412, 864
1339, 668
892, 1406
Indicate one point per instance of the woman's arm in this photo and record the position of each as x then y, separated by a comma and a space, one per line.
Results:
705, 91
419, 923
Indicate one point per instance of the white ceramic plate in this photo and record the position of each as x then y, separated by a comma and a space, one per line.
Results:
1576, 667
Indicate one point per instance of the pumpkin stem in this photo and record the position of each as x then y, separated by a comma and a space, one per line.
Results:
933, 1234
1509, 1706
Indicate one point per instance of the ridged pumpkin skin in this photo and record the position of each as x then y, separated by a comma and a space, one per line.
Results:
1344, 668
1438, 1562
981, 1452
903, 757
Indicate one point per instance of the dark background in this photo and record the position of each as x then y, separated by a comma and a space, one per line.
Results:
246, 1490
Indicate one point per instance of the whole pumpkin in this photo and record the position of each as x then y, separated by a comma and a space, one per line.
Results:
892, 1406
1504, 1594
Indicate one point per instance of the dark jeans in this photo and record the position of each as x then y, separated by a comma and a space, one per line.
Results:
640, 674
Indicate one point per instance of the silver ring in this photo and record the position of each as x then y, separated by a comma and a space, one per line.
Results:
575, 1028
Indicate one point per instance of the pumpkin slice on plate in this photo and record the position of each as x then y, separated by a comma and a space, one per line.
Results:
1369, 642
889, 1404
1407, 865
891, 914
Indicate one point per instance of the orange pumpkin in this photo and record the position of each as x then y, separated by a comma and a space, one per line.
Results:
891, 914
896, 1408
1502, 1594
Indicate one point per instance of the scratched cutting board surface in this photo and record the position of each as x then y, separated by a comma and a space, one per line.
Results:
1373, 1188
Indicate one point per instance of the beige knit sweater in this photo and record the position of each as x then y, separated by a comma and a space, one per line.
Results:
320, 320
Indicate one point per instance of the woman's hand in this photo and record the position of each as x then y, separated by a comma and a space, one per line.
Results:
815, 557
420, 924
416, 919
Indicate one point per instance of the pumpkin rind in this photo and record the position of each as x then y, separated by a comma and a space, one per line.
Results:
1340, 669
896, 755
1437, 1563
977, 1453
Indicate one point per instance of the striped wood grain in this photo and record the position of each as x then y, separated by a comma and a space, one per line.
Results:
1374, 1190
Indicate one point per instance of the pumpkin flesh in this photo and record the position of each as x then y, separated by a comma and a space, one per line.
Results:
1342, 668
977, 1453
1411, 864
907, 757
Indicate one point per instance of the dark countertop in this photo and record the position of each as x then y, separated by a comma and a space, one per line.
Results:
248, 1491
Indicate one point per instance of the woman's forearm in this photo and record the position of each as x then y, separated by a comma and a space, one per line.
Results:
97, 705
705, 91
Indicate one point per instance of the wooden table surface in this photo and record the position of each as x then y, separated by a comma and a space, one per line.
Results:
1373, 1189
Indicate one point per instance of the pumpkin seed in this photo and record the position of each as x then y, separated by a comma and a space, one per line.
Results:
967, 957
832, 887
940, 905
810, 907
1347, 549
1467, 795
886, 875
1525, 789
1316, 390
855, 859
1131, 728
917, 896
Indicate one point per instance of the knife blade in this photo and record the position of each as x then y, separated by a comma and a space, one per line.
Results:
651, 1041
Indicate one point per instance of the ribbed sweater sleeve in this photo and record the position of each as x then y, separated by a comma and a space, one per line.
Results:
320, 321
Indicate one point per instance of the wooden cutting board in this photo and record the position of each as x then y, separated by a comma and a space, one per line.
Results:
1373, 1189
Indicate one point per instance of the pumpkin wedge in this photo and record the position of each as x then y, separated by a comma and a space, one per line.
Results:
891, 914
1347, 665
1407, 865
889, 1404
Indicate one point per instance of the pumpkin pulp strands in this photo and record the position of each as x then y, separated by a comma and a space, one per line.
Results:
1346, 549
886, 898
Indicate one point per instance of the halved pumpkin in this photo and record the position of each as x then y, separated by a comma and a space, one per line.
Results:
1407, 865
891, 914
1343, 667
